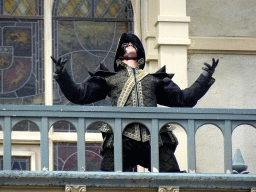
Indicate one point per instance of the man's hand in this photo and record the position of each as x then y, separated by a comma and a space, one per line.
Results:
209, 70
59, 64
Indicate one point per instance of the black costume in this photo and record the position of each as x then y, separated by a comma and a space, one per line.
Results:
134, 87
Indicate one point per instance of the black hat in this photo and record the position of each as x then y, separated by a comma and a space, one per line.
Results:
126, 38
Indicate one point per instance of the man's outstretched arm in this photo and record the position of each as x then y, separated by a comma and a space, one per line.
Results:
170, 94
92, 90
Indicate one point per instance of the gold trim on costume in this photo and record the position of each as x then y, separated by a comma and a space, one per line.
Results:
130, 83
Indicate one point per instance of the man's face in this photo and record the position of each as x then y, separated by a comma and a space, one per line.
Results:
131, 50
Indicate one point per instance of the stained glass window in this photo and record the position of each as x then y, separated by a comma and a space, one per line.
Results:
18, 163
21, 52
74, 8
21, 7
63, 126
86, 32
92, 8
25, 125
65, 157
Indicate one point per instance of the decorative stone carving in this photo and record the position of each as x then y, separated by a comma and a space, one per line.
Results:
75, 188
168, 189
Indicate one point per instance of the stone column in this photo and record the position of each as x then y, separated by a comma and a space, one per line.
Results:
48, 52
150, 10
172, 38
136, 17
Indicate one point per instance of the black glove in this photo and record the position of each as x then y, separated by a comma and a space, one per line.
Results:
209, 70
59, 65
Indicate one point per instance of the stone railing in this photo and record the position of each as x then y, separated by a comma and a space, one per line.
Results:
118, 118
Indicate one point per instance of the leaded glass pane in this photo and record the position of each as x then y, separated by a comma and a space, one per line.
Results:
86, 44
16, 12
85, 8
114, 8
9, 6
18, 163
74, 8
25, 125
108, 8
65, 157
63, 126
91, 8
107, 1
100, 8
121, 14
20, 7
78, 14
31, 12
125, 11
94, 127
107, 15
70, 7
19, 39
65, 13
21, 63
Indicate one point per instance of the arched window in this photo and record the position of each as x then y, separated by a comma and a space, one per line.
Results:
86, 32
21, 52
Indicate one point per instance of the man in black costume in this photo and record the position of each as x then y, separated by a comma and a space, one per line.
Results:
130, 86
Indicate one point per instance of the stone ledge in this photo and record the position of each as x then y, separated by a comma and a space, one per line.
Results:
172, 41
223, 44
102, 189
172, 19
151, 57
150, 34
128, 180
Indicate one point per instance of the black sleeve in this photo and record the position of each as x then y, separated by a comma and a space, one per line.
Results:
170, 94
92, 90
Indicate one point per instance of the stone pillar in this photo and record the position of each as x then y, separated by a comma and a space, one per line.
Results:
48, 52
150, 10
136, 17
172, 38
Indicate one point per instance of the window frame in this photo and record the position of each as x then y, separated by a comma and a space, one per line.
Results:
30, 154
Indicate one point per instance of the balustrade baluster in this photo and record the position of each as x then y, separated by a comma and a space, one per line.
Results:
81, 145
118, 147
7, 129
154, 146
44, 144
191, 146
227, 147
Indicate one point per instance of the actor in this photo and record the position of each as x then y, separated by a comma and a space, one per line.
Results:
130, 86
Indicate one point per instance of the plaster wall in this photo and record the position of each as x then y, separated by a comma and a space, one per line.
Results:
228, 18
234, 88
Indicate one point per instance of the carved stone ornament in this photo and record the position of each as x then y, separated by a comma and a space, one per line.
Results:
253, 189
168, 189
75, 188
